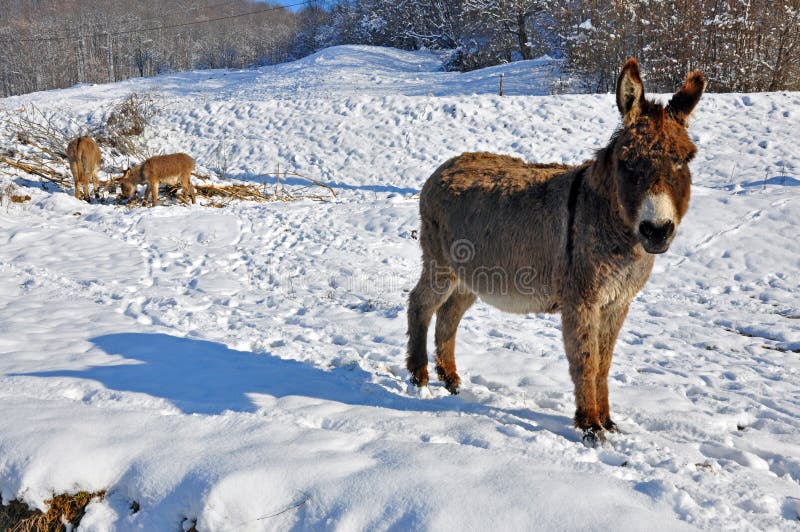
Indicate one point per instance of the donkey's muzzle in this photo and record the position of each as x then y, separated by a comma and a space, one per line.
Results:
656, 236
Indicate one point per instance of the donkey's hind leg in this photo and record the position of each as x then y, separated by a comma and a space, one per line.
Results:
96, 184
76, 178
432, 290
447, 319
85, 186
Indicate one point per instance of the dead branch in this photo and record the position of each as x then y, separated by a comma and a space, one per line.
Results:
37, 170
33, 127
47, 151
204, 177
311, 180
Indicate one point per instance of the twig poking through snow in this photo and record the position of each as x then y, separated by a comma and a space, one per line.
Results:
306, 498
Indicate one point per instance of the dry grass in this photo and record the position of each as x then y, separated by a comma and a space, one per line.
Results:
247, 192
8, 192
220, 195
14, 513
62, 509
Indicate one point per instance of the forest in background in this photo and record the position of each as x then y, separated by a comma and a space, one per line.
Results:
742, 45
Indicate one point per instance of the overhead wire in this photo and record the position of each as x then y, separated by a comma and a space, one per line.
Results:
156, 28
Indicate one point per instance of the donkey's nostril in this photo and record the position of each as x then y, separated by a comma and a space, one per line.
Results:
656, 233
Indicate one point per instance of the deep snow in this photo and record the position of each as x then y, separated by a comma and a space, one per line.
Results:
227, 365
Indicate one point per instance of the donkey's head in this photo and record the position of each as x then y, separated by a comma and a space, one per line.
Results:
127, 182
651, 157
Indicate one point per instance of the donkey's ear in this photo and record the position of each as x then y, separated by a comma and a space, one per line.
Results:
630, 92
682, 103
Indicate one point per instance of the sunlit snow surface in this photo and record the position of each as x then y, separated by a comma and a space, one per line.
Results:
244, 367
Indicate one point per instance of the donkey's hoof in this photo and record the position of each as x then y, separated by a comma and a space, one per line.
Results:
419, 379
593, 436
451, 382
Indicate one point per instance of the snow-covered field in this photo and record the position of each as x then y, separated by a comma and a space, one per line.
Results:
243, 368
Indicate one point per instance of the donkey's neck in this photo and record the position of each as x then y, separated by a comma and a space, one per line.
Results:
601, 188
138, 174
600, 176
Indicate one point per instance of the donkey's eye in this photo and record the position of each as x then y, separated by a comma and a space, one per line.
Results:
679, 164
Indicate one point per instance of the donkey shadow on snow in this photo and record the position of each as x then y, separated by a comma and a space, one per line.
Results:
203, 377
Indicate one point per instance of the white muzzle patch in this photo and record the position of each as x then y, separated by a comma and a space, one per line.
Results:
658, 209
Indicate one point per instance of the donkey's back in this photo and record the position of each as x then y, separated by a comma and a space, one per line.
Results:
490, 172
168, 169
496, 223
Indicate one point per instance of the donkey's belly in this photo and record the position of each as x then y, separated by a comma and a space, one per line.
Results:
170, 180
519, 303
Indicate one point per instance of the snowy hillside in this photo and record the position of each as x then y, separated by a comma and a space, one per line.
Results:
243, 368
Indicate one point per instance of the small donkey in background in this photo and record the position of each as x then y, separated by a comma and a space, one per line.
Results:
552, 238
85, 159
167, 169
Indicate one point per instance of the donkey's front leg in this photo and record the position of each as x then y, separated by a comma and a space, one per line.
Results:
611, 321
580, 325
153, 187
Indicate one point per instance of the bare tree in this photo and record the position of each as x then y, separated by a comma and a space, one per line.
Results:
509, 18
57, 43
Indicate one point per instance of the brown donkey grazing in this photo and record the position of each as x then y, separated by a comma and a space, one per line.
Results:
84, 161
579, 240
167, 169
